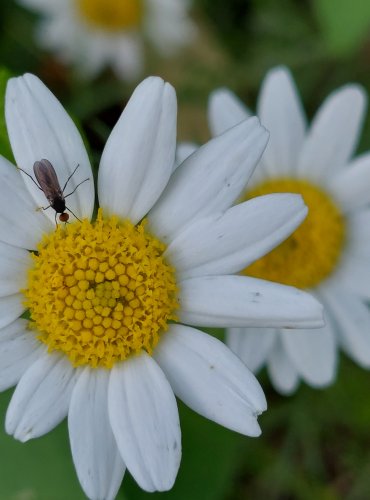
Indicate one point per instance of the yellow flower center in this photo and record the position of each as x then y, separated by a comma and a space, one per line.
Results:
100, 292
312, 252
111, 15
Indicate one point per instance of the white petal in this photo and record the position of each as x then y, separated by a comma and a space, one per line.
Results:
39, 127
283, 374
358, 236
14, 263
252, 345
95, 454
209, 180
139, 155
353, 275
19, 349
127, 56
280, 111
225, 110
351, 186
210, 379
334, 133
313, 354
228, 301
145, 422
226, 243
11, 307
43, 5
353, 320
183, 150
21, 224
41, 398
167, 24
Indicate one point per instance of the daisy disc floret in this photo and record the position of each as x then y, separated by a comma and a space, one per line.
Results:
114, 302
100, 292
329, 253
111, 15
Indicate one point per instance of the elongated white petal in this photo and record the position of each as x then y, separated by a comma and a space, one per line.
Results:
358, 237
282, 372
236, 301
39, 127
145, 422
251, 345
353, 275
334, 133
14, 263
41, 398
23, 225
19, 349
210, 379
313, 353
228, 242
225, 110
351, 186
98, 463
139, 155
126, 56
183, 150
352, 317
11, 307
167, 25
280, 111
209, 180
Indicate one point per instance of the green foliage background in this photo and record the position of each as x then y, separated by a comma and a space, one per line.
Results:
315, 444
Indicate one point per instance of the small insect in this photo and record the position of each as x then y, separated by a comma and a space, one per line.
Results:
48, 183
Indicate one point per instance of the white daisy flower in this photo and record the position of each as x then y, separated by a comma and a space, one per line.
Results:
329, 254
93, 34
113, 301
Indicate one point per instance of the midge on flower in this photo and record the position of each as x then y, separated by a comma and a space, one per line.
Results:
48, 183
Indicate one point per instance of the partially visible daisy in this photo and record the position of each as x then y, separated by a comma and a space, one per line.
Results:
113, 302
329, 254
93, 34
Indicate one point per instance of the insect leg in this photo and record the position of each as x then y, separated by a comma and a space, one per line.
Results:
30, 176
74, 215
69, 194
65, 185
42, 208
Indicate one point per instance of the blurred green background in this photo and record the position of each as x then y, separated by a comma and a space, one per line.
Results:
315, 444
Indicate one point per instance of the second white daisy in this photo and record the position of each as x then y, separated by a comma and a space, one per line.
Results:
329, 253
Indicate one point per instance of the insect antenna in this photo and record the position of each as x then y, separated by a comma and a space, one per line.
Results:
69, 178
30, 176
69, 194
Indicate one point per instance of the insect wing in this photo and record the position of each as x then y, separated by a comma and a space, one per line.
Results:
48, 180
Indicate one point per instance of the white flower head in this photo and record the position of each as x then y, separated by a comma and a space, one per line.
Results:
113, 302
329, 255
94, 34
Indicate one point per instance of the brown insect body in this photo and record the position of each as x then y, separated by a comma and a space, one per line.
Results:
49, 183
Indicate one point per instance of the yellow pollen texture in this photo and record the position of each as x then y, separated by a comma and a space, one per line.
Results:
312, 252
100, 292
111, 15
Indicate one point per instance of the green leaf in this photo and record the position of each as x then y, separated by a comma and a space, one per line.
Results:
5, 149
345, 24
